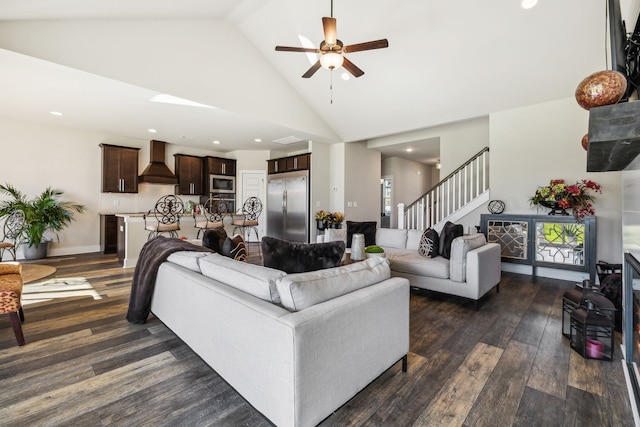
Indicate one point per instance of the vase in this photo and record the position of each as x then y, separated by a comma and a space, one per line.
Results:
320, 224
555, 208
33, 252
601, 88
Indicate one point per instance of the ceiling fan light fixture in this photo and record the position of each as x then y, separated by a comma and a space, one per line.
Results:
331, 60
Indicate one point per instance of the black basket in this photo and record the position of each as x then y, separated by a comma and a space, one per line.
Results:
604, 269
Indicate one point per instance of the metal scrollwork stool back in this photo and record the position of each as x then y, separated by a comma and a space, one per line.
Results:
166, 213
11, 230
251, 210
213, 211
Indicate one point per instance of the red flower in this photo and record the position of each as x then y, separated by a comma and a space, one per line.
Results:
564, 203
574, 190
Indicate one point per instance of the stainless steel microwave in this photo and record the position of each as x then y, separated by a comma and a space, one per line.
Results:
222, 184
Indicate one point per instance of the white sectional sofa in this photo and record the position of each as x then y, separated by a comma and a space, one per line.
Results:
473, 269
295, 346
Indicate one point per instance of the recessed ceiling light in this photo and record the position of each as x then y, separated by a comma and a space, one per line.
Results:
216, 142
345, 76
528, 4
409, 150
56, 113
257, 140
152, 131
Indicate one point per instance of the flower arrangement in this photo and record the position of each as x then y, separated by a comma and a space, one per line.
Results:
322, 216
560, 195
337, 218
326, 219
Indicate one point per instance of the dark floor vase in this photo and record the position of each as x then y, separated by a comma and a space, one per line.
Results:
33, 252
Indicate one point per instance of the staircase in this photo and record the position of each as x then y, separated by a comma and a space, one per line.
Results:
462, 191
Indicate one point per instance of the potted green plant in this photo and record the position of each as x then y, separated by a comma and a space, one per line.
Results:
45, 216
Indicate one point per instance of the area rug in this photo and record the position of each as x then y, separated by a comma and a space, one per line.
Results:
59, 287
33, 272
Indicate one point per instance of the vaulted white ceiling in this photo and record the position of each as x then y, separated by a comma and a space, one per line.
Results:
100, 62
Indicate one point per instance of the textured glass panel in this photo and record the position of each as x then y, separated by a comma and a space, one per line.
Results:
561, 243
511, 235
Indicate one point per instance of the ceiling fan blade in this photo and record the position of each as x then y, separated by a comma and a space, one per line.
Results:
376, 44
352, 68
311, 71
296, 49
330, 33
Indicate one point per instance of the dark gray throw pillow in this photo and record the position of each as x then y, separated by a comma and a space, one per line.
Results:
294, 257
449, 232
368, 228
214, 239
429, 243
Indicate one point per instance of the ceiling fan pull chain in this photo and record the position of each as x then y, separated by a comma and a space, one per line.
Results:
331, 80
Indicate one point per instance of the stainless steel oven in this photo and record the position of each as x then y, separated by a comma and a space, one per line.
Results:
222, 184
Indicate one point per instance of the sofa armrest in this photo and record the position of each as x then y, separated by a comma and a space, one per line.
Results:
484, 268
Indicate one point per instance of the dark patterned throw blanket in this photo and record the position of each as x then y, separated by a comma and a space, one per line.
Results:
153, 253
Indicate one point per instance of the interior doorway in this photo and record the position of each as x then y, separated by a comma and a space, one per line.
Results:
386, 196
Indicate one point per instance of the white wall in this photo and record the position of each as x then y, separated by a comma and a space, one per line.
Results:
34, 157
537, 143
410, 180
320, 196
362, 183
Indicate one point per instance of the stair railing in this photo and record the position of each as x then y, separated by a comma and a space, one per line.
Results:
450, 195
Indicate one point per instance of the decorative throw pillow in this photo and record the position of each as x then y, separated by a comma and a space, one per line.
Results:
429, 243
449, 232
297, 257
214, 239
234, 248
368, 228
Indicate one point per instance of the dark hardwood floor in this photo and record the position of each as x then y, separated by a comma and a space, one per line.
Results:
505, 364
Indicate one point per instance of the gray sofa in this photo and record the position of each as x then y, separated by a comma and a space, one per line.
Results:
295, 346
473, 269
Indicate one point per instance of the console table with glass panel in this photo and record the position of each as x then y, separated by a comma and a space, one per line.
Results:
554, 241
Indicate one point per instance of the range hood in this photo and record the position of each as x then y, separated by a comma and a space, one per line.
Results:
157, 171
614, 136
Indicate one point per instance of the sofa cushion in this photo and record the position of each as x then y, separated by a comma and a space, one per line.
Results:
429, 243
296, 257
459, 248
391, 238
187, 259
413, 240
368, 228
411, 262
449, 232
302, 290
234, 247
250, 278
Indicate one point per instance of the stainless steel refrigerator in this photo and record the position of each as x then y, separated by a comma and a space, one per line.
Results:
288, 206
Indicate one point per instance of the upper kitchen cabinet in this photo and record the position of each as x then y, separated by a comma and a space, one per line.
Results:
220, 166
119, 169
190, 172
289, 164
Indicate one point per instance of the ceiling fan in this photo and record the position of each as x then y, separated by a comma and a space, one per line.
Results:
332, 50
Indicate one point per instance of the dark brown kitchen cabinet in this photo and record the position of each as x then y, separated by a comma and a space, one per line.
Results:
220, 166
108, 234
119, 169
190, 171
289, 164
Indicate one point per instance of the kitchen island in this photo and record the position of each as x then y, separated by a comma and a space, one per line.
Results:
132, 236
